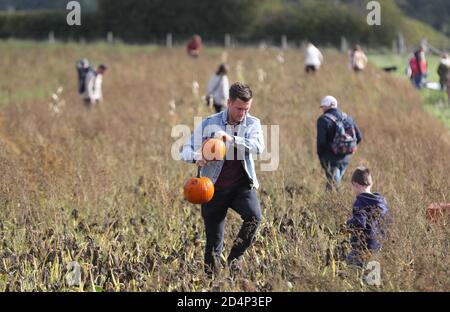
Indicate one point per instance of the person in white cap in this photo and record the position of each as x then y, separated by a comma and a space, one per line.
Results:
337, 138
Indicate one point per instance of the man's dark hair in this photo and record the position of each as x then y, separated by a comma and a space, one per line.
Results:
240, 91
103, 66
362, 176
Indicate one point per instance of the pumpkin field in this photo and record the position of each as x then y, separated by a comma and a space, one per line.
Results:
101, 189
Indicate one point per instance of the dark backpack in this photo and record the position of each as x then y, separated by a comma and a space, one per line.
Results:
344, 141
82, 73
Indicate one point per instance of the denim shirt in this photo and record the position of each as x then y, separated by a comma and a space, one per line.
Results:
249, 140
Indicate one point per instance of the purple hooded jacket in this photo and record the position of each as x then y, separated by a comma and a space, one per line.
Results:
370, 218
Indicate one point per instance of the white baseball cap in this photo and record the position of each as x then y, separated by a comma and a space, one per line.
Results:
84, 63
329, 101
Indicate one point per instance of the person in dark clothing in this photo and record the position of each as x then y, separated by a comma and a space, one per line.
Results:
194, 46
370, 218
418, 66
334, 164
443, 70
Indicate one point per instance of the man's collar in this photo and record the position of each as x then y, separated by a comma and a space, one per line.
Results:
333, 109
225, 119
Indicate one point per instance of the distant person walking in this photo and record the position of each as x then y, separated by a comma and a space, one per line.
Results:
357, 59
370, 219
194, 46
448, 88
218, 89
337, 138
313, 58
418, 68
93, 82
443, 71
83, 67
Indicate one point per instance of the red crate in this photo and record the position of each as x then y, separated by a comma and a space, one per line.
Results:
436, 212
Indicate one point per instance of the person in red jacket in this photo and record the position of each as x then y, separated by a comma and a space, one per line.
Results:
194, 46
418, 66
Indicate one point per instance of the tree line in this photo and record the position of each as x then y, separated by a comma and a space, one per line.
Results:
136, 21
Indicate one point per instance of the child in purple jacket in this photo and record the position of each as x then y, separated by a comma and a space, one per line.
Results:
369, 218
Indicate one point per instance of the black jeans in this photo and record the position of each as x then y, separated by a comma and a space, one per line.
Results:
242, 199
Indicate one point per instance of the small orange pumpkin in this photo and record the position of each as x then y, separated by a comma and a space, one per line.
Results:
214, 149
199, 190
436, 212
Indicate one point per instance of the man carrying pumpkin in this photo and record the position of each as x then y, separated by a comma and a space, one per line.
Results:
234, 177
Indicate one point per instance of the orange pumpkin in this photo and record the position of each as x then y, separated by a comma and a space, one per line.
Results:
199, 190
436, 212
214, 149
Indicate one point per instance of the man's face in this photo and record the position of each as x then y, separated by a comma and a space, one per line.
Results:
237, 109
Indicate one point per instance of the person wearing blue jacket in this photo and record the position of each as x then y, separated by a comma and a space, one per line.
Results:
334, 165
370, 218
